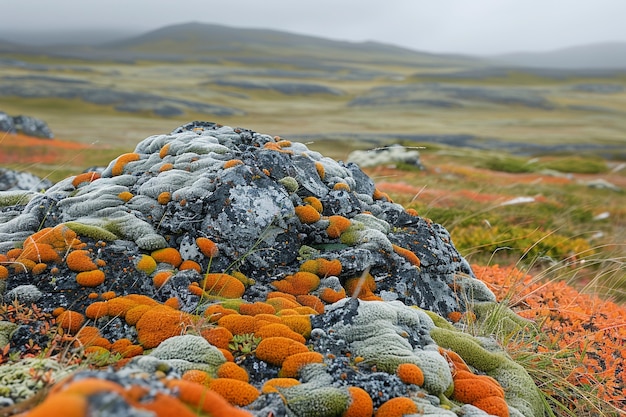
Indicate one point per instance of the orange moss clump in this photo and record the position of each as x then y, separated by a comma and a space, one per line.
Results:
367, 289
223, 285
237, 324
204, 399
90, 278
320, 170
307, 214
126, 348
167, 255
163, 152
322, 267
232, 163
164, 197
361, 404
159, 323
80, 261
218, 336
85, 177
298, 284
166, 167
4, 272
271, 384
63, 404
275, 350
397, 407
293, 364
341, 186
96, 310
379, 195
195, 375
236, 392
125, 196
160, 278
214, 312
337, 225
407, 254
70, 321
189, 264
330, 296
299, 324
134, 314
278, 329
121, 161
410, 374
232, 371
314, 202
146, 264
207, 247
412, 212
255, 308
454, 359
311, 301
475, 389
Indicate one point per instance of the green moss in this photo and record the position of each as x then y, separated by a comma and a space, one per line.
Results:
497, 318
13, 198
468, 348
6, 328
438, 320
290, 183
92, 231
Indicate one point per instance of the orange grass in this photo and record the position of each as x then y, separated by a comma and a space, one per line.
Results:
589, 331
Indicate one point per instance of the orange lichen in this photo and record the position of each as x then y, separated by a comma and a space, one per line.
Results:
160, 323
307, 214
271, 384
167, 255
278, 329
96, 310
85, 177
189, 264
214, 312
367, 288
275, 350
292, 364
90, 278
233, 371
39, 268
4, 272
397, 407
282, 303
330, 296
299, 324
134, 314
278, 294
298, 284
166, 167
172, 302
232, 163
164, 197
125, 196
379, 195
320, 169
160, 278
207, 247
80, 261
469, 387
237, 324
361, 404
208, 401
454, 359
495, 406
121, 161
164, 150
412, 212
455, 316
255, 308
337, 225
311, 301
218, 336
62, 404
223, 285
303, 311
198, 376
314, 202
341, 186
126, 348
236, 392
70, 321
407, 254
322, 267
146, 264
118, 307
410, 373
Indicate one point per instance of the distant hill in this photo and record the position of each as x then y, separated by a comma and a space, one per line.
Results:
610, 55
201, 41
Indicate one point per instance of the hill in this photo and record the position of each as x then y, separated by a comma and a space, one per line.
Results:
610, 55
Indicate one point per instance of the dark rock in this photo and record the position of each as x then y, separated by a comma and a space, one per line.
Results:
11, 180
32, 126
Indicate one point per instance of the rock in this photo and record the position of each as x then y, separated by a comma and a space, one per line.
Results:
185, 243
27, 125
11, 180
389, 155
603, 184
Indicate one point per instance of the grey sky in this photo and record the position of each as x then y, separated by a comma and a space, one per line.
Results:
461, 26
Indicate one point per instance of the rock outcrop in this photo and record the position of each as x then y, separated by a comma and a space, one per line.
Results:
27, 125
292, 284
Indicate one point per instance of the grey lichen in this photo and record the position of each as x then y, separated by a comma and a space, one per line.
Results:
189, 352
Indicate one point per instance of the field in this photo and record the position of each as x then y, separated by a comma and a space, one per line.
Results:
525, 168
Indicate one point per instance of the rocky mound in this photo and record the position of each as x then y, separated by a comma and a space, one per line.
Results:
27, 125
219, 262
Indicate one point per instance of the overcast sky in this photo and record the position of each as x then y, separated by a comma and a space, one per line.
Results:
459, 26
